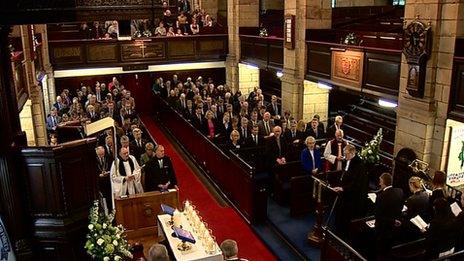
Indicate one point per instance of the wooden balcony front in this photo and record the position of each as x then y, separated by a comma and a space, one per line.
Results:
266, 52
137, 54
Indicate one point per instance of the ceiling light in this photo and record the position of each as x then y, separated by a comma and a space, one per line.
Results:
279, 74
323, 85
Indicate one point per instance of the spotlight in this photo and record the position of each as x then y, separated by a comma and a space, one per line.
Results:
388, 104
279, 74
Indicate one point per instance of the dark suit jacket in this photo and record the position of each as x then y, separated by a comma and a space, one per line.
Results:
320, 132
354, 182
261, 127
307, 161
154, 175
330, 134
441, 235
250, 143
417, 204
197, 122
388, 207
270, 109
271, 150
137, 151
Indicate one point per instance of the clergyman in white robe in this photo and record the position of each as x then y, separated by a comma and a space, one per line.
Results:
121, 185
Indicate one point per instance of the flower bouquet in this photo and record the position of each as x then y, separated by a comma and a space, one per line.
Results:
105, 241
370, 153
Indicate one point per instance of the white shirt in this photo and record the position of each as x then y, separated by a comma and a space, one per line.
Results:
311, 152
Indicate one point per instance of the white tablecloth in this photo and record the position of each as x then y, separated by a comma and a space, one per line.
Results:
196, 253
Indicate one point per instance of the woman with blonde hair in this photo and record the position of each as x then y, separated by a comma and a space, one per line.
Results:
234, 142
418, 202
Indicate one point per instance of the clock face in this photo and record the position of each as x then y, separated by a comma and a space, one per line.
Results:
415, 38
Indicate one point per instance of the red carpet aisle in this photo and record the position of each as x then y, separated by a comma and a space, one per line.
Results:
225, 222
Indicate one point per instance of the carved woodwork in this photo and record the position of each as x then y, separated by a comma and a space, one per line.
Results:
262, 51
417, 47
60, 186
347, 68
137, 213
11, 138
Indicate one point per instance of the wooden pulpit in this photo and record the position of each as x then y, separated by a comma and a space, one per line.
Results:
137, 213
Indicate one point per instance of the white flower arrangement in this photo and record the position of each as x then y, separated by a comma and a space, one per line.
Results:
370, 153
105, 241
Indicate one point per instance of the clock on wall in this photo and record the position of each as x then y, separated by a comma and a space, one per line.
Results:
416, 47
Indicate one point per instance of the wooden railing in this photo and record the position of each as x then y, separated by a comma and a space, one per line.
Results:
262, 51
335, 248
234, 177
137, 54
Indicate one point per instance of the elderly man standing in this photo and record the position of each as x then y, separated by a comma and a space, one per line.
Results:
334, 151
126, 174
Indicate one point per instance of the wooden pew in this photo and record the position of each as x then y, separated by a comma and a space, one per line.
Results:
282, 176
334, 248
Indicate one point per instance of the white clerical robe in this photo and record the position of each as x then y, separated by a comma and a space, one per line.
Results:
121, 186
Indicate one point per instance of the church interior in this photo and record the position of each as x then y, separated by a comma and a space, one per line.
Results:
232, 130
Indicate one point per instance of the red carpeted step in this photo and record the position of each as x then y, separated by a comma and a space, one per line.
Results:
224, 222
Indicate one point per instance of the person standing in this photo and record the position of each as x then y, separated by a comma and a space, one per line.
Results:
159, 172
352, 191
126, 174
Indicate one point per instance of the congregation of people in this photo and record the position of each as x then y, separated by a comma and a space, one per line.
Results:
176, 20
234, 121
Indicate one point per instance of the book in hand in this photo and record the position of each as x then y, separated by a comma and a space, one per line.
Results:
167, 209
419, 222
372, 197
371, 223
455, 209
184, 235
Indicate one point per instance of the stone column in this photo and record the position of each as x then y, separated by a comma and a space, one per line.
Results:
11, 138
243, 13
49, 92
210, 6
421, 122
309, 14
35, 92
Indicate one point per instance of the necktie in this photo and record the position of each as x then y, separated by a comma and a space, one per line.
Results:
54, 121
139, 143
160, 161
98, 96
339, 162
293, 134
311, 152
315, 132
278, 145
276, 109
266, 124
256, 139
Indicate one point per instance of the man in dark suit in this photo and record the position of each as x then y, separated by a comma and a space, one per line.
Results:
181, 104
314, 129
292, 135
334, 127
352, 191
159, 172
274, 108
266, 125
254, 140
137, 146
388, 206
276, 148
103, 167
311, 157
53, 120
198, 119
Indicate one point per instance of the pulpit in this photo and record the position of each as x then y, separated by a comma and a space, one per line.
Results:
137, 213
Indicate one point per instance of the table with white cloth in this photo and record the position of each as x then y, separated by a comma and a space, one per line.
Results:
198, 251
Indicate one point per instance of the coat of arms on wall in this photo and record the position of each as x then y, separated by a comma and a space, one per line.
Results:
347, 68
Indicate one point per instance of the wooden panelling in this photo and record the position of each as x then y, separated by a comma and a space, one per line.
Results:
74, 54
262, 51
319, 60
184, 48
69, 53
60, 186
380, 67
382, 72
102, 53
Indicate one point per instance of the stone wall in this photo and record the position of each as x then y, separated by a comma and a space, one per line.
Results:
347, 3
421, 122
27, 124
248, 78
315, 101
